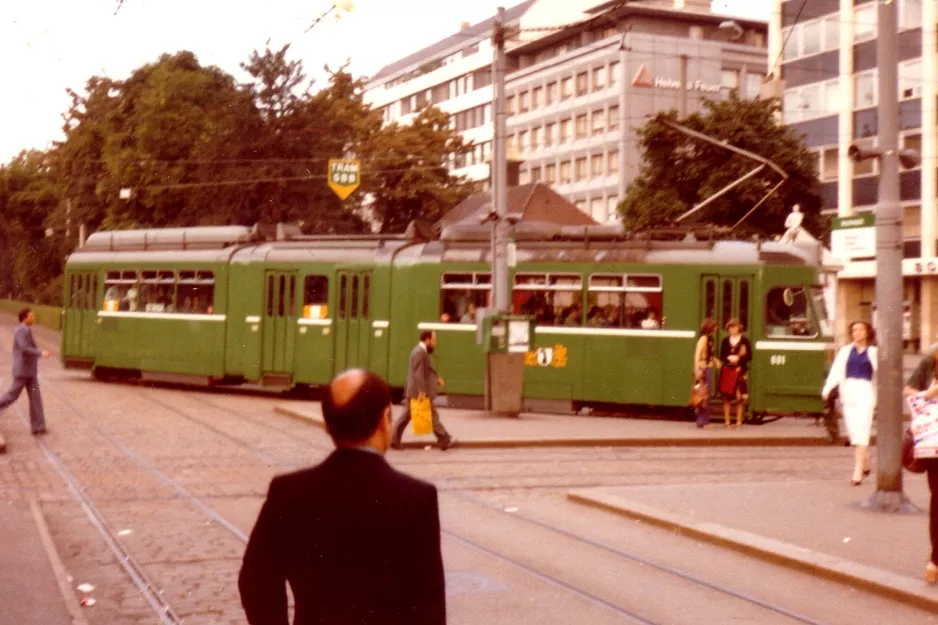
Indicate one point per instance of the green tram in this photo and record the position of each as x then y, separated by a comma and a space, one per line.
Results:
617, 317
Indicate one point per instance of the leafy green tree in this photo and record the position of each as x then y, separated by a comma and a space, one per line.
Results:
32, 261
407, 175
679, 171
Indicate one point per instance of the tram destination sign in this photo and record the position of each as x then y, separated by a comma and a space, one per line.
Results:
854, 237
344, 176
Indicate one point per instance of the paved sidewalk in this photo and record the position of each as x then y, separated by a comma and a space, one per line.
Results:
479, 430
816, 526
34, 586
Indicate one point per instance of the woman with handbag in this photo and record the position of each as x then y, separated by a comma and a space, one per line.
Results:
735, 353
854, 374
923, 382
704, 362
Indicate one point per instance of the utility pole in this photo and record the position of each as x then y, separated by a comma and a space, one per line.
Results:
499, 170
889, 496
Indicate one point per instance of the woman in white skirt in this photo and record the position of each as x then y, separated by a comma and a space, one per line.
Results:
854, 371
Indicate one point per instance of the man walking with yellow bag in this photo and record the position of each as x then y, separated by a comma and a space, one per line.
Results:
422, 382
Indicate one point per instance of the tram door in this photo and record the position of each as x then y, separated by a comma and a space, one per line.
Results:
279, 326
353, 329
724, 298
81, 312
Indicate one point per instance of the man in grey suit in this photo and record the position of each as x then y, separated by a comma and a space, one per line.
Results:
26, 372
422, 381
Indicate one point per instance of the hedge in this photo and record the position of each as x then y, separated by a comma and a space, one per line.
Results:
48, 316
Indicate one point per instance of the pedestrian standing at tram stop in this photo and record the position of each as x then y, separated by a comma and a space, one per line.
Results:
357, 541
735, 353
854, 373
26, 372
704, 362
923, 382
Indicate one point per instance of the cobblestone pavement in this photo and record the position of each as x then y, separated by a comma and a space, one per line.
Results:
171, 481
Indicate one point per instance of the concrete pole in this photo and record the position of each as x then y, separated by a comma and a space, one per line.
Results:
847, 93
623, 114
500, 170
929, 132
889, 495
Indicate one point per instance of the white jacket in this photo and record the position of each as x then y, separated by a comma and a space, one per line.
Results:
838, 372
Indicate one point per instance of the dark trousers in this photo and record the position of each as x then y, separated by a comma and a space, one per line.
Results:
37, 418
703, 413
401, 424
932, 473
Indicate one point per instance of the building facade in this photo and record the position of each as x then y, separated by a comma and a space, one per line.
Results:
581, 75
830, 78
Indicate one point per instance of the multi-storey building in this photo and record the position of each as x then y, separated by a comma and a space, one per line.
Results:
581, 75
830, 74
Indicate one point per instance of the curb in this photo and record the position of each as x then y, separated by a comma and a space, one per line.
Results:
61, 576
870, 579
515, 443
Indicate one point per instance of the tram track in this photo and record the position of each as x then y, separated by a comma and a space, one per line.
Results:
168, 615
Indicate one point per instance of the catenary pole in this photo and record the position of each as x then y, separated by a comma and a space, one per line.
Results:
500, 170
888, 495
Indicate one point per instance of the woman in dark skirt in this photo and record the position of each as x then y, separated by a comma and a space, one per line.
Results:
735, 354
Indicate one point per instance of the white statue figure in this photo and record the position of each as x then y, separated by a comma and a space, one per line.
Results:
793, 224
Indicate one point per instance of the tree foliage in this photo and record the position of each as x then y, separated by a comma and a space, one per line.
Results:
679, 171
196, 147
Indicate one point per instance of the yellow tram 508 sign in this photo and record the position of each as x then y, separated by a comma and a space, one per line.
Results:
344, 176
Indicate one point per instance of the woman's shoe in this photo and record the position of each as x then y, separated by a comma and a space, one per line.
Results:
866, 472
931, 573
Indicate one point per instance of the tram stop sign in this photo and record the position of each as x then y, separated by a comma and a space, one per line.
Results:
344, 176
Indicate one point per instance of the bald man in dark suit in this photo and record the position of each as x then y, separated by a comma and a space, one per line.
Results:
357, 541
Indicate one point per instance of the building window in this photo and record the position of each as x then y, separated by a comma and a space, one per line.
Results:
580, 170
549, 134
523, 102
866, 89
910, 13
613, 118
612, 163
487, 114
829, 167
582, 84
510, 105
812, 101
867, 167
550, 173
811, 37
440, 93
407, 105
831, 96
565, 173
753, 85
912, 142
535, 138
523, 140
536, 97
599, 122
612, 209
865, 22
582, 126
566, 88
536, 174
596, 165
832, 32
565, 130
599, 78
910, 79
613, 74
729, 79
524, 177
550, 96
823, 34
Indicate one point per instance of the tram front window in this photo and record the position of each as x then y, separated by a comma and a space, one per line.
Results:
788, 313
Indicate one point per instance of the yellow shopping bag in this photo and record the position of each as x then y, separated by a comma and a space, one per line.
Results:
420, 416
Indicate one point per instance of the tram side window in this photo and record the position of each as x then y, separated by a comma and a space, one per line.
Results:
787, 313
620, 301
462, 294
554, 299
120, 291
195, 292
156, 291
316, 297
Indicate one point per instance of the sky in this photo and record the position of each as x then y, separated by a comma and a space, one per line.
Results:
49, 46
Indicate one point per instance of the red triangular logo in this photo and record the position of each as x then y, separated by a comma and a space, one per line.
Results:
643, 78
